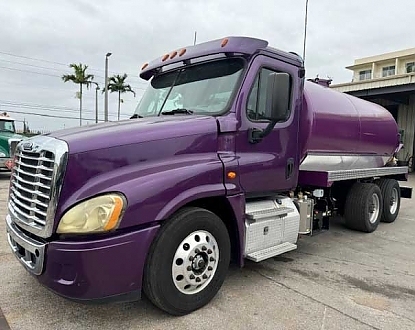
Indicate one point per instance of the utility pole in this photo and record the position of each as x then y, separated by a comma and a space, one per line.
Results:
305, 29
106, 87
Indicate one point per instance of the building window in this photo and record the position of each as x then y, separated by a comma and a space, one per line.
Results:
365, 74
410, 67
388, 71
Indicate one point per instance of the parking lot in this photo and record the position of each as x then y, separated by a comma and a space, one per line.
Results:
339, 279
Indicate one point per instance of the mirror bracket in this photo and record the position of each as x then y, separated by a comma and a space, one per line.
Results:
256, 135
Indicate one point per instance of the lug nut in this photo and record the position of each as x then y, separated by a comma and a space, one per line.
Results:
205, 276
198, 279
204, 248
209, 251
210, 268
191, 258
189, 268
212, 259
197, 251
192, 277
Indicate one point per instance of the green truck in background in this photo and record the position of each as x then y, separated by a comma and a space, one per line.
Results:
8, 141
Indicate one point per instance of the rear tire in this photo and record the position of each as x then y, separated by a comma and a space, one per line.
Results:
363, 207
188, 261
391, 194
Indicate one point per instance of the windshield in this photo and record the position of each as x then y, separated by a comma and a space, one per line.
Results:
200, 89
7, 126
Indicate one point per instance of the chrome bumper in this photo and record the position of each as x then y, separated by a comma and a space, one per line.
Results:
28, 251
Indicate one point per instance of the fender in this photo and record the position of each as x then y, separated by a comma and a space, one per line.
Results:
156, 189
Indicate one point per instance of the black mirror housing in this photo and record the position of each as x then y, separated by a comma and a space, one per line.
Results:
277, 104
278, 96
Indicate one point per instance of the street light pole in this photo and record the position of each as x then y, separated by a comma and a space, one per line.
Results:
106, 87
96, 102
305, 29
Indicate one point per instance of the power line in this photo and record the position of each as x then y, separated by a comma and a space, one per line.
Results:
59, 63
31, 65
52, 75
28, 71
44, 107
56, 116
52, 116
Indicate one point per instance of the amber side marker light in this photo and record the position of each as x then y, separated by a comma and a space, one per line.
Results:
224, 42
144, 66
231, 175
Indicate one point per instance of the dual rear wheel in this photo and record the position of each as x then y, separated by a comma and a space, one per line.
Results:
367, 204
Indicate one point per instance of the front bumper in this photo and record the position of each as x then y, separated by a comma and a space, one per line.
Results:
86, 270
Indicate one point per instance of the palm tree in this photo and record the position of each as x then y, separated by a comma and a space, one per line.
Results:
117, 84
80, 77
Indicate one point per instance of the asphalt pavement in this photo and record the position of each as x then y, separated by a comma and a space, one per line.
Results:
338, 279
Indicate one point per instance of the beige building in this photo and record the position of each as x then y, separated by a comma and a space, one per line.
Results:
389, 80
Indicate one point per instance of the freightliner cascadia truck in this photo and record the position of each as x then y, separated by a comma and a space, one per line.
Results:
231, 154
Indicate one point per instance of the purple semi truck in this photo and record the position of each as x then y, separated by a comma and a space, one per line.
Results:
231, 155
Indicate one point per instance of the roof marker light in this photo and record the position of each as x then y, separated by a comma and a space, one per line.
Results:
173, 55
224, 42
165, 57
144, 66
182, 52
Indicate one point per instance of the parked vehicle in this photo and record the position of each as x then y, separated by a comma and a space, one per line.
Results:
230, 155
8, 141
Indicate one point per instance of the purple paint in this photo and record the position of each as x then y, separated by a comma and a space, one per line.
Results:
334, 122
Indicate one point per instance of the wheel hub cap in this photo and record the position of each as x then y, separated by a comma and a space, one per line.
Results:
195, 262
374, 208
393, 204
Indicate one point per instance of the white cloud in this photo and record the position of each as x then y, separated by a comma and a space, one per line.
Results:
138, 31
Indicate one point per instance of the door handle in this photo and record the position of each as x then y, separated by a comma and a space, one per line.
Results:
289, 168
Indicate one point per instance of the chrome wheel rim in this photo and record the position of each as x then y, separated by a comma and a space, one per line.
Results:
195, 262
374, 208
393, 203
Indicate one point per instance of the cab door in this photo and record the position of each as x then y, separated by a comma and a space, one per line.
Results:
271, 164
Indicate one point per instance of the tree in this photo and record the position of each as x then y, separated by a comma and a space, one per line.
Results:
117, 84
80, 77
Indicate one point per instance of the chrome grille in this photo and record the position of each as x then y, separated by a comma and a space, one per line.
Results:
35, 183
12, 146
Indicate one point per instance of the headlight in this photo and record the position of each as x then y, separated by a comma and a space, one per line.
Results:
98, 214
2, 154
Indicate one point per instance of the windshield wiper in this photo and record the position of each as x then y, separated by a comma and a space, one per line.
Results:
178, 110
134, 116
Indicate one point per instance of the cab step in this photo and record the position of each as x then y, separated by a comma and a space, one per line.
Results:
271, 252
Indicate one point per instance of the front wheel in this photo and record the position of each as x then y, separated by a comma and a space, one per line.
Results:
188, 261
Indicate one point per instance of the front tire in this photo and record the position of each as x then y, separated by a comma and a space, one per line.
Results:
363, 208
188, 261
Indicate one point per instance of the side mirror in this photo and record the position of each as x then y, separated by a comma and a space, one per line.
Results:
278, 96
277, 104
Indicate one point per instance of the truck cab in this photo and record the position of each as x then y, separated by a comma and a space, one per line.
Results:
8, 141
229, 155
